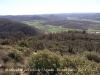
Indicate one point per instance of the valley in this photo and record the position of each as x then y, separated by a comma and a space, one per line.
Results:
90, 26
49, 28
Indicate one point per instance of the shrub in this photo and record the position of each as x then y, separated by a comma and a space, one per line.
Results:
93, 56
5, 59
32, 39
5, 42
12, 55
15, 55
22, 43
44, 60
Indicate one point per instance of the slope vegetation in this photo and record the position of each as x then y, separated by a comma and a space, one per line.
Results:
9, 28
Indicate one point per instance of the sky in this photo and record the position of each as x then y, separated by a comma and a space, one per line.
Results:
30, 7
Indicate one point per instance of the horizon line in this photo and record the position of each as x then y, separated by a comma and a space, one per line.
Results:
52, 13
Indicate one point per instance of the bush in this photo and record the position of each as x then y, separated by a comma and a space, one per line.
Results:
5, 42
15, 55
5, 59
44, 60
12, 55
22, 43
93, 56
32, 39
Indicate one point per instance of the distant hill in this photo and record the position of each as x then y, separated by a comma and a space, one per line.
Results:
24, 17
12, 28
92, 16
60, 16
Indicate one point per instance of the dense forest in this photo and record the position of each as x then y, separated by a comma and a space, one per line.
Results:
26, 50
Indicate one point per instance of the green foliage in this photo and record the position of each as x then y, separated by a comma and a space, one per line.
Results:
67, 65
79, 65
93, 56
22, 43
40, 46
12, 55
56, 43
44, 60
5, 42
32, 39
32, 42
15, 55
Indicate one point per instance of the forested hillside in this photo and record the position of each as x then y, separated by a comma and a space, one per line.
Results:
9, 28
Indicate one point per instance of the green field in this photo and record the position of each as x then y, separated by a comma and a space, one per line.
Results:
50, 28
